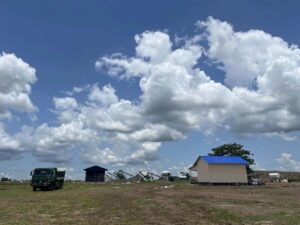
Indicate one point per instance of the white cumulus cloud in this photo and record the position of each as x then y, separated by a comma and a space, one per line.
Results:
16, 78
259, 95
288, 163
10, 146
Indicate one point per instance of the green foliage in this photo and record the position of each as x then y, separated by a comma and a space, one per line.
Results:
234, 150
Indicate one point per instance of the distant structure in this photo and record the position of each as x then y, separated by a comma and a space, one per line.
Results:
95, 174
166, 176
3, 179
220, 169
274, 177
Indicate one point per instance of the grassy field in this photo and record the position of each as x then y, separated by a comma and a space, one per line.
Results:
150, 203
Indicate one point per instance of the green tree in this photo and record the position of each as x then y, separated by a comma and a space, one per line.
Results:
234, 150
120, 175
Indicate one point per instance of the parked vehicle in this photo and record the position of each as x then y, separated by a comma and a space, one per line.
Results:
47, 178
256, 181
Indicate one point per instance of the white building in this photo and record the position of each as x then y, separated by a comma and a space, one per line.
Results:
220, 169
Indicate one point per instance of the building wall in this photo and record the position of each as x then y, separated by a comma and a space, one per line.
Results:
229, 173
203, 173
94, 176
221, 173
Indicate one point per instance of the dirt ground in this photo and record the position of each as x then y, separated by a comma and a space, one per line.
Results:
150, 203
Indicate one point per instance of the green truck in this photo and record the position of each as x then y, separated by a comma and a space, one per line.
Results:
47, 178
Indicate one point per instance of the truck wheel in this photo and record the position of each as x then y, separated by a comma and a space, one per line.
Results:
33, 188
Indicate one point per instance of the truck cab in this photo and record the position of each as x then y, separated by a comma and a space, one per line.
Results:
47, 178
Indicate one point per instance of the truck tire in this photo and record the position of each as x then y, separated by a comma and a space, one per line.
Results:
33, 188
56, 187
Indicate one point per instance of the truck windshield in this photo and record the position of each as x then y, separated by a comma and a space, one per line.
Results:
43, 172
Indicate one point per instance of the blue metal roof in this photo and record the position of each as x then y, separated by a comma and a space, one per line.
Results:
224, 160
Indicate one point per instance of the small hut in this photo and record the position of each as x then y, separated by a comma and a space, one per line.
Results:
95, 174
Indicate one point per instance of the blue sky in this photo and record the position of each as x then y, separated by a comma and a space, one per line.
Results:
73, 44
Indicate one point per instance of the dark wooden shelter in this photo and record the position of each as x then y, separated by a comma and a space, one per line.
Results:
95, 174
